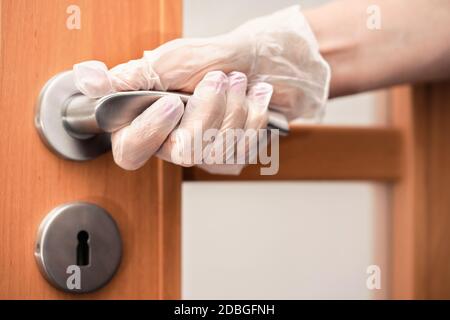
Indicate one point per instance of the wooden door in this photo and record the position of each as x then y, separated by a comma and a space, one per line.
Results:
35, 45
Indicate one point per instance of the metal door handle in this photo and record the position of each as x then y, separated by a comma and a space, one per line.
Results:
77, 127
83, 115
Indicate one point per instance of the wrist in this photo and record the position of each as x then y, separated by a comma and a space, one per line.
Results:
339, 38
400, 51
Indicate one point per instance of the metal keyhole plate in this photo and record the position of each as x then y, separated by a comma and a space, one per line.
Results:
78, 247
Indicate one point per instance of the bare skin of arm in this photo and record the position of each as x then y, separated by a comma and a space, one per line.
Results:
412, 45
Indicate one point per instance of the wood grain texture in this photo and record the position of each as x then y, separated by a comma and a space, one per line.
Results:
36, 45
408, 201
328, 153
421, 204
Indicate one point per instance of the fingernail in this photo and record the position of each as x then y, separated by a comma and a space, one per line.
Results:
169, 107
172, 103
215, 81
173, 107
237, 82
261, 93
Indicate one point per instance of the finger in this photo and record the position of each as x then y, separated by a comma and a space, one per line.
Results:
234, 118
258, 99
133, 145
134, 75
224, 169
236, 107
94, 79
204, 110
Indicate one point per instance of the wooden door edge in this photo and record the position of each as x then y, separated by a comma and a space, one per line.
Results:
169, 218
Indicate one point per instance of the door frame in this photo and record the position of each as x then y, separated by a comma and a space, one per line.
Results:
411, 155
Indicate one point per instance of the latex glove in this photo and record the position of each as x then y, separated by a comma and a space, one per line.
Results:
219, 102
279, 49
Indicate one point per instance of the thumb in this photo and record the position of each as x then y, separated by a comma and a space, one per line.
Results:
94, 79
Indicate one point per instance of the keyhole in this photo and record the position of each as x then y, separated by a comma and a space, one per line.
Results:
83, 248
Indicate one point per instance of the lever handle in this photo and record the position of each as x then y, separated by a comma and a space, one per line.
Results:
84, 115
77, 127
114, 111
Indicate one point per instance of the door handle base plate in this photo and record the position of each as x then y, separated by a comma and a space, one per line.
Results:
49, 114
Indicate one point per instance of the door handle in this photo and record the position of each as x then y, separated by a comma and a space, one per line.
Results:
77, 127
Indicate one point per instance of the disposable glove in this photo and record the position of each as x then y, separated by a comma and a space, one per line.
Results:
279, 49
219, 102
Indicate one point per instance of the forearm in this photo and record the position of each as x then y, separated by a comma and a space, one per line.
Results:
412, 45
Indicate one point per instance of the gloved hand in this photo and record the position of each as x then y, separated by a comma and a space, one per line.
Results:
279, 49
219, 103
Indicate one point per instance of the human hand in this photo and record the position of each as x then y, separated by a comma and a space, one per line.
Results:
220, 104
277, 51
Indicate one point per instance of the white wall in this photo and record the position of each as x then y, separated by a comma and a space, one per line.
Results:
282, 240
